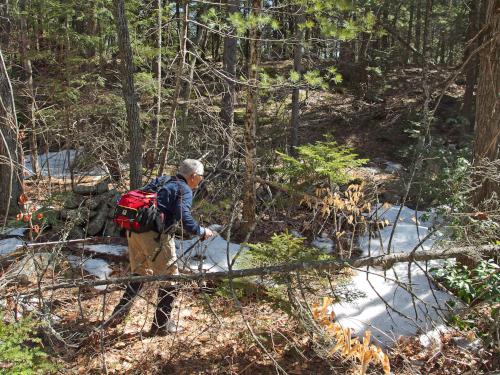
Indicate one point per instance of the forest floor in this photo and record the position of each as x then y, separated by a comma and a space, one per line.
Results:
222, 335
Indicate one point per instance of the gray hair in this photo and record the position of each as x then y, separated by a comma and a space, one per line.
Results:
190, 166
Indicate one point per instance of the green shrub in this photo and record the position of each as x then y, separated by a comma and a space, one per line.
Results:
20, 349
282, 248
479, 287
317, 162
481, 283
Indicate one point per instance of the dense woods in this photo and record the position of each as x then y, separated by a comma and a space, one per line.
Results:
332, 133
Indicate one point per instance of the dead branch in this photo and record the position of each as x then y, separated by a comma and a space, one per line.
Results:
385, 261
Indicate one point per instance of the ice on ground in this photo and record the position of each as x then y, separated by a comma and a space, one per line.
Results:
392, 167
433, 336
58, 163
97, 267
9, 245
210, 255
325, 244
410, 230
112, 249
13, 232
400, 314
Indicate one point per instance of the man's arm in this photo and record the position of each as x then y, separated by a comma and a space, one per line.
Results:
183, 212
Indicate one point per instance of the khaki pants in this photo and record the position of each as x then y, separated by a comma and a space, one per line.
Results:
142, 248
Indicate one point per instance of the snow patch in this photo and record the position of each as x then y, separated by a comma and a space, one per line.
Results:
210, 255
58, 163
97, 267
405, 312
9, 245
392, 167
324, 243
14, 232
433, 336
112, 249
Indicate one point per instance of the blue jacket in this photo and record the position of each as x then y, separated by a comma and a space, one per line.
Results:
175, 199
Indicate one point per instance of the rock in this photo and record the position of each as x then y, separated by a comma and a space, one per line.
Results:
98, 221
390, 197
93, 202
73, 201
111, 212
111, 229
111, 200
472, 346
32, 267
100, 188
78, 216
76, 233
93, 214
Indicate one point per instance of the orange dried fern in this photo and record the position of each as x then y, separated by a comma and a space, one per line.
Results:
350, 348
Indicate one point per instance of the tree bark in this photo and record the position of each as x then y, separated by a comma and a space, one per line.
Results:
129, 95
229, 64
486, 145
11, 175
249, 195
472, 66
297, 67
29, 95
426, 37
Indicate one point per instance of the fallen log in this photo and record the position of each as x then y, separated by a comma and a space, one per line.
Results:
331, 265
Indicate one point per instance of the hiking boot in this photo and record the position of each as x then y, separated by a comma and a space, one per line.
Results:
169, 328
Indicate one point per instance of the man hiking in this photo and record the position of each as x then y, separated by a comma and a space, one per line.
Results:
151, 253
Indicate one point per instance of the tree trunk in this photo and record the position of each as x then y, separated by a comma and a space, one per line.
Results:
29, 96
156, 122
178, 86
91, 26
249, 196
5, 23
486, 145
418, 28
297, 67
410, 32
196, 47
384, 40
11, 175
472, 66
129, 95
229, 57
426, 42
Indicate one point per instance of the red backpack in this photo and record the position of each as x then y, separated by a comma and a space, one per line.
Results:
137, 211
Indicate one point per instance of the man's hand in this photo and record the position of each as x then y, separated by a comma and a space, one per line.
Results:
208, 233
